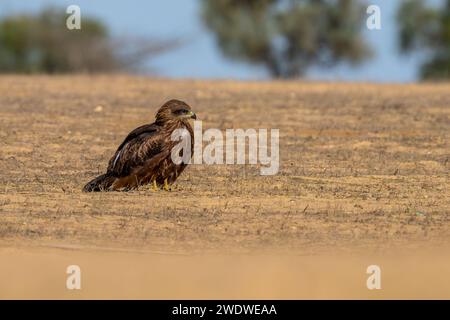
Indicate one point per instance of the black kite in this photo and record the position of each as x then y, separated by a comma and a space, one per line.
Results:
144, 157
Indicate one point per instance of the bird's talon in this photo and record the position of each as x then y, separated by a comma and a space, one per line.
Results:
166, 186
154, 186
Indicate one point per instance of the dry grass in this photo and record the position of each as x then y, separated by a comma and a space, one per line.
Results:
361, 165
364, 170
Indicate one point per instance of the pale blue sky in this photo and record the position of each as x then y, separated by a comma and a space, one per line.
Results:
199, 57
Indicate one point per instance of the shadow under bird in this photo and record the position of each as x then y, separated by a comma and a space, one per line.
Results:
144, 157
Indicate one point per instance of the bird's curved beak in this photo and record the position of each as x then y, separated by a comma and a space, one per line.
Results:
192, 115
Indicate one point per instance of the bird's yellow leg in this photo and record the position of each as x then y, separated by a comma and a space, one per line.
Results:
166, 185
154, 186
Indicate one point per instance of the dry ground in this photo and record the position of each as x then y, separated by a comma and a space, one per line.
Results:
364, 168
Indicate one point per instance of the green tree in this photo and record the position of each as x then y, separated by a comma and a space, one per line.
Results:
42, 43
288, 36
427, 29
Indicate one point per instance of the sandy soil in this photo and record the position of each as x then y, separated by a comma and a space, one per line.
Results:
41, 273
364, 169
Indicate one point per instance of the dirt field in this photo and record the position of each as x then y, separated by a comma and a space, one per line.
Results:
364, 171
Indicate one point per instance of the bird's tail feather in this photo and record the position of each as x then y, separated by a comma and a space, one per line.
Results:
101, 183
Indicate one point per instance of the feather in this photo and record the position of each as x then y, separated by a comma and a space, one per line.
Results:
144, 156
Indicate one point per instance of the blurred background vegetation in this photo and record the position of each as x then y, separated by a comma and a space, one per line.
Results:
286, 37
43, 44
427, 28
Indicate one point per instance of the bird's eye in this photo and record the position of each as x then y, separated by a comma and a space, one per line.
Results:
181, 111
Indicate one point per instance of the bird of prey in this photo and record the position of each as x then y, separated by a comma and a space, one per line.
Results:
144, 157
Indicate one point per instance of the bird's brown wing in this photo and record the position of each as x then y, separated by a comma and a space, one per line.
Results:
140, 145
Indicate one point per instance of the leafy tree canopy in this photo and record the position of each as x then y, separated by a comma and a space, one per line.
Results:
42, 43
427, 28
288, 36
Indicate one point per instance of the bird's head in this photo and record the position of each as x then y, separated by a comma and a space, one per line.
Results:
174, 110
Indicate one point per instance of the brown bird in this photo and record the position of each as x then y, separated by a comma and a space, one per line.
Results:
144, 157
